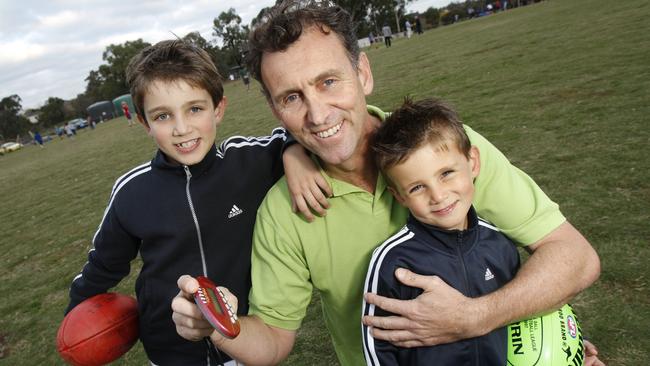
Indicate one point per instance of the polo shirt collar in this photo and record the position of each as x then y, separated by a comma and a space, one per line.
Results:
341, 188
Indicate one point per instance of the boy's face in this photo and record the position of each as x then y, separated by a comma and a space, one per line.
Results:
182, 120
437, 185
319, 95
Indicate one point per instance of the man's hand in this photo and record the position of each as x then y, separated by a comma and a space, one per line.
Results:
190, 323
439, 315
591, 355
307, 187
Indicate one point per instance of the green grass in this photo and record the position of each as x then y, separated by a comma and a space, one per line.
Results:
561, 87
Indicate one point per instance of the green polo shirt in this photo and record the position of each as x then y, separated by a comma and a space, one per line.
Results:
291, 257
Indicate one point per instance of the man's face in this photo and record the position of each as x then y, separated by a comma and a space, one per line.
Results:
182, 120
437, 185
319, 96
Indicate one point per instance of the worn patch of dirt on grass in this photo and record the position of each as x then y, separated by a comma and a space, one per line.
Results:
4, 346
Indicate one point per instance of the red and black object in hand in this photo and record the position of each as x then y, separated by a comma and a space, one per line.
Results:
216, 309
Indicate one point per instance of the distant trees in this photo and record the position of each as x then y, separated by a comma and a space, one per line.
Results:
11, 123
52, 113
233, 34
108, 80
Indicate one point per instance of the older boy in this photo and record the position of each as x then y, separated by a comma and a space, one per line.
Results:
430, 165
189, 210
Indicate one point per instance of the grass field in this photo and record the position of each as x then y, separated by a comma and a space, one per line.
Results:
561, 87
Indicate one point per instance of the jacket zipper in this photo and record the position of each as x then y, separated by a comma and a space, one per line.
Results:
188, 176
467, 291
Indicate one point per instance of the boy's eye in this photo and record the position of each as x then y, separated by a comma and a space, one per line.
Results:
416, 188
447, 173
196, 109
161, 117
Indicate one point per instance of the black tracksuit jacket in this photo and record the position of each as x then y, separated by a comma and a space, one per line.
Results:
166, 213
475, 261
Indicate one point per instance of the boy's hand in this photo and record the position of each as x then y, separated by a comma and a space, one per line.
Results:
190, 322
430, 319
307, 187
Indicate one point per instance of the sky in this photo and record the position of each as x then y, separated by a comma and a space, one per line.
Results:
48, 47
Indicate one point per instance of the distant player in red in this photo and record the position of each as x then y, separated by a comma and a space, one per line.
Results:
125, 108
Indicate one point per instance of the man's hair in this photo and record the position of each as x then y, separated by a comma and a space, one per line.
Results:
414, 124
170, 61
283, 24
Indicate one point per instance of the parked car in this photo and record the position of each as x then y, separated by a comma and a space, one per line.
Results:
8, 147
78, 123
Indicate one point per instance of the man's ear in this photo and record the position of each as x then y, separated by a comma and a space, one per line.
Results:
475, 160
365, 74
143, 122
220, 109
397, 196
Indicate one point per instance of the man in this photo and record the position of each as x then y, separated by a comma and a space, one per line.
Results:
388, 34
306, 57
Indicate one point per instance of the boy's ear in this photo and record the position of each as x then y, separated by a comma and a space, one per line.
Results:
220, 109
475, 160
143, 122
365, 74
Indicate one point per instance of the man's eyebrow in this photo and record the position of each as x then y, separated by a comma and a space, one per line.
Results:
324, 75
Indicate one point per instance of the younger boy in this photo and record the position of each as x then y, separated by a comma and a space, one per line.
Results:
189, 210
430, 165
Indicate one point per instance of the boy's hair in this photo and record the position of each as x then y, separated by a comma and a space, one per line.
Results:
414, 124
283, 24
169, 61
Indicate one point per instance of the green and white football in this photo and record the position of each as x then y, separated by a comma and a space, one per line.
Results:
554, 339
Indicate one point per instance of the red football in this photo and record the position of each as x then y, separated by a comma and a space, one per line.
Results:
99, 330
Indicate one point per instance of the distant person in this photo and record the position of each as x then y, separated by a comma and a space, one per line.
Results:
428, 161
127, 113
245, 76
407, 25
59, 132
371, 38
91, 122
418, 25
69, 130
191, 209
38, 139
388, 34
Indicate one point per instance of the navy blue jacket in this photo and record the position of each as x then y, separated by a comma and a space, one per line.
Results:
475, 261
166, 212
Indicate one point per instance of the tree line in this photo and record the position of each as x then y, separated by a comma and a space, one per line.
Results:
227, 50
